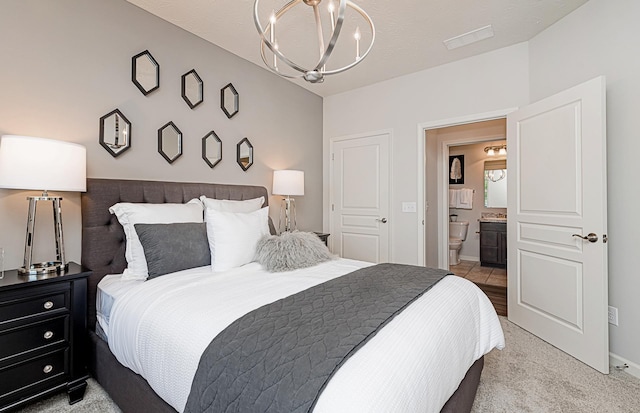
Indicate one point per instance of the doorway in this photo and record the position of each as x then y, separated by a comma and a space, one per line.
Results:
472, 148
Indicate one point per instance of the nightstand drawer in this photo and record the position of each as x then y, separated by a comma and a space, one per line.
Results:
47, 301
33, 336
37, 372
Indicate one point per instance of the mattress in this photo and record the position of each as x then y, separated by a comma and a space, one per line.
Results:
110, 288
159, 329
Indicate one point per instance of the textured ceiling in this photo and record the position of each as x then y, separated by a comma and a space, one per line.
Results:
409, 33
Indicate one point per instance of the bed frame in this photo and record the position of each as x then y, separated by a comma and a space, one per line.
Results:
103, 246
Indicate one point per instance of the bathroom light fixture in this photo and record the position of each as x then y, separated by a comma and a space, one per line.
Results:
42, 164
500, 149
334, 19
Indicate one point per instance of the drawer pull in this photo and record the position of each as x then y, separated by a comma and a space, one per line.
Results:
48, 305
48, 335
47, 369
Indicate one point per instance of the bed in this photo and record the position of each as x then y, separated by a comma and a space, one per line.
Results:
103, 252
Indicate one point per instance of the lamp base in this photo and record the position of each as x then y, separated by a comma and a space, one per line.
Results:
60, 263
44, 268
288, 208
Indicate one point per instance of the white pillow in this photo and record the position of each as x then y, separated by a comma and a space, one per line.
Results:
227, 205
233, 236
129, 214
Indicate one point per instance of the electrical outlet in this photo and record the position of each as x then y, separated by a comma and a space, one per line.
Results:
613, 315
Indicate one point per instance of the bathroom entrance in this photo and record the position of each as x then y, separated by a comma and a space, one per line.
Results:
473, 155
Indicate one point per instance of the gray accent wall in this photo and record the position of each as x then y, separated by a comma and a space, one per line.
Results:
66, 63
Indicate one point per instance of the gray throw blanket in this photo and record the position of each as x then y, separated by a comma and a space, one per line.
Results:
279, 357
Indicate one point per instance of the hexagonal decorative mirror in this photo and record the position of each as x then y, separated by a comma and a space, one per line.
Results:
244, 154
145, 72
170, 142
115, 133
192, 89
229, 100
211, 149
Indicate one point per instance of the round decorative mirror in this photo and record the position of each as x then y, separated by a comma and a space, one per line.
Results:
145, 72
211, 149
170, 142
115, 133
192, 89
229, 100
244, 154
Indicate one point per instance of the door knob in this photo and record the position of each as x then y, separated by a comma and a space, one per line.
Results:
383, 220
591, 237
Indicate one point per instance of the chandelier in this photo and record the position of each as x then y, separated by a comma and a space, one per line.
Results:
333, 22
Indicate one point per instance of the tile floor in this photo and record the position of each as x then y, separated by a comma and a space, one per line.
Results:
493, 281
472, 271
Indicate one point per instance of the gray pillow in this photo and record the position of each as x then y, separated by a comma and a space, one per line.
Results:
291, 250
174, 247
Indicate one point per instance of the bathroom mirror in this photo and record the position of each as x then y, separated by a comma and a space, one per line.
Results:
229, 100
145, 72
211, 149
245, 154
170, 142
192, 89
495, 183
115, 133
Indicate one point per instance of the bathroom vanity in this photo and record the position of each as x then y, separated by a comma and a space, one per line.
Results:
493, 243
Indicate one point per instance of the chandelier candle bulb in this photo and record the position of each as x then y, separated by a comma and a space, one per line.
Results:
332, 12
272, 37
357, 36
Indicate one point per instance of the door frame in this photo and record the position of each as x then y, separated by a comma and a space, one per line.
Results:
332, 142
442, 166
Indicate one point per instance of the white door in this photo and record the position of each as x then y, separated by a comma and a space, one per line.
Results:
359, 216
557, 284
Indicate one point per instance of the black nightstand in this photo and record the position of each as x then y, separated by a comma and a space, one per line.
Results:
323, 237
43, 333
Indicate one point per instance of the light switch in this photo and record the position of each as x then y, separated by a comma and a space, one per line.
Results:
408, 207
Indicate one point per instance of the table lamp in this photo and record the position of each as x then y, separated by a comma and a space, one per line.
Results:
30, 163
287, 183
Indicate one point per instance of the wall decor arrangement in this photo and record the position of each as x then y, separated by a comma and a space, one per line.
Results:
170, 142
244, 154
115, 133
229, 100
211, 149
192, 89
456, 169
145, 72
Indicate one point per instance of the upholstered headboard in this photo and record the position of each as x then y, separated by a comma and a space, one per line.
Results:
103, 239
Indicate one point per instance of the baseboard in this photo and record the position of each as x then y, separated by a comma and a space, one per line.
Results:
468, 258
616, 360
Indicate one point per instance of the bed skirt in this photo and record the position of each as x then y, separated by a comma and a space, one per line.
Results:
133, 394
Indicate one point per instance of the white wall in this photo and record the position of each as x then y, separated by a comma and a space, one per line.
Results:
601, 38
493, 81
66, 63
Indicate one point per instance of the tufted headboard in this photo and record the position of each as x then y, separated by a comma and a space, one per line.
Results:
103, 240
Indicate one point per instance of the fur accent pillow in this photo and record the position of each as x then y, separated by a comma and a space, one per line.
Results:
291, 250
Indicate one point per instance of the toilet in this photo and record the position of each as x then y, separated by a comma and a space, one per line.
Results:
457, 234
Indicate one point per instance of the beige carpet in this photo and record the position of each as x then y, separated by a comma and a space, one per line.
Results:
529, 375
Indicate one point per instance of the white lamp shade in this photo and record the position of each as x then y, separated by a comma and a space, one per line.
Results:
42, 164
288, 182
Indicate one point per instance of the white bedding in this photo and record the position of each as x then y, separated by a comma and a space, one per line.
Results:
159, 329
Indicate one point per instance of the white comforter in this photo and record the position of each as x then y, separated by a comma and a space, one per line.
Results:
159, 329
